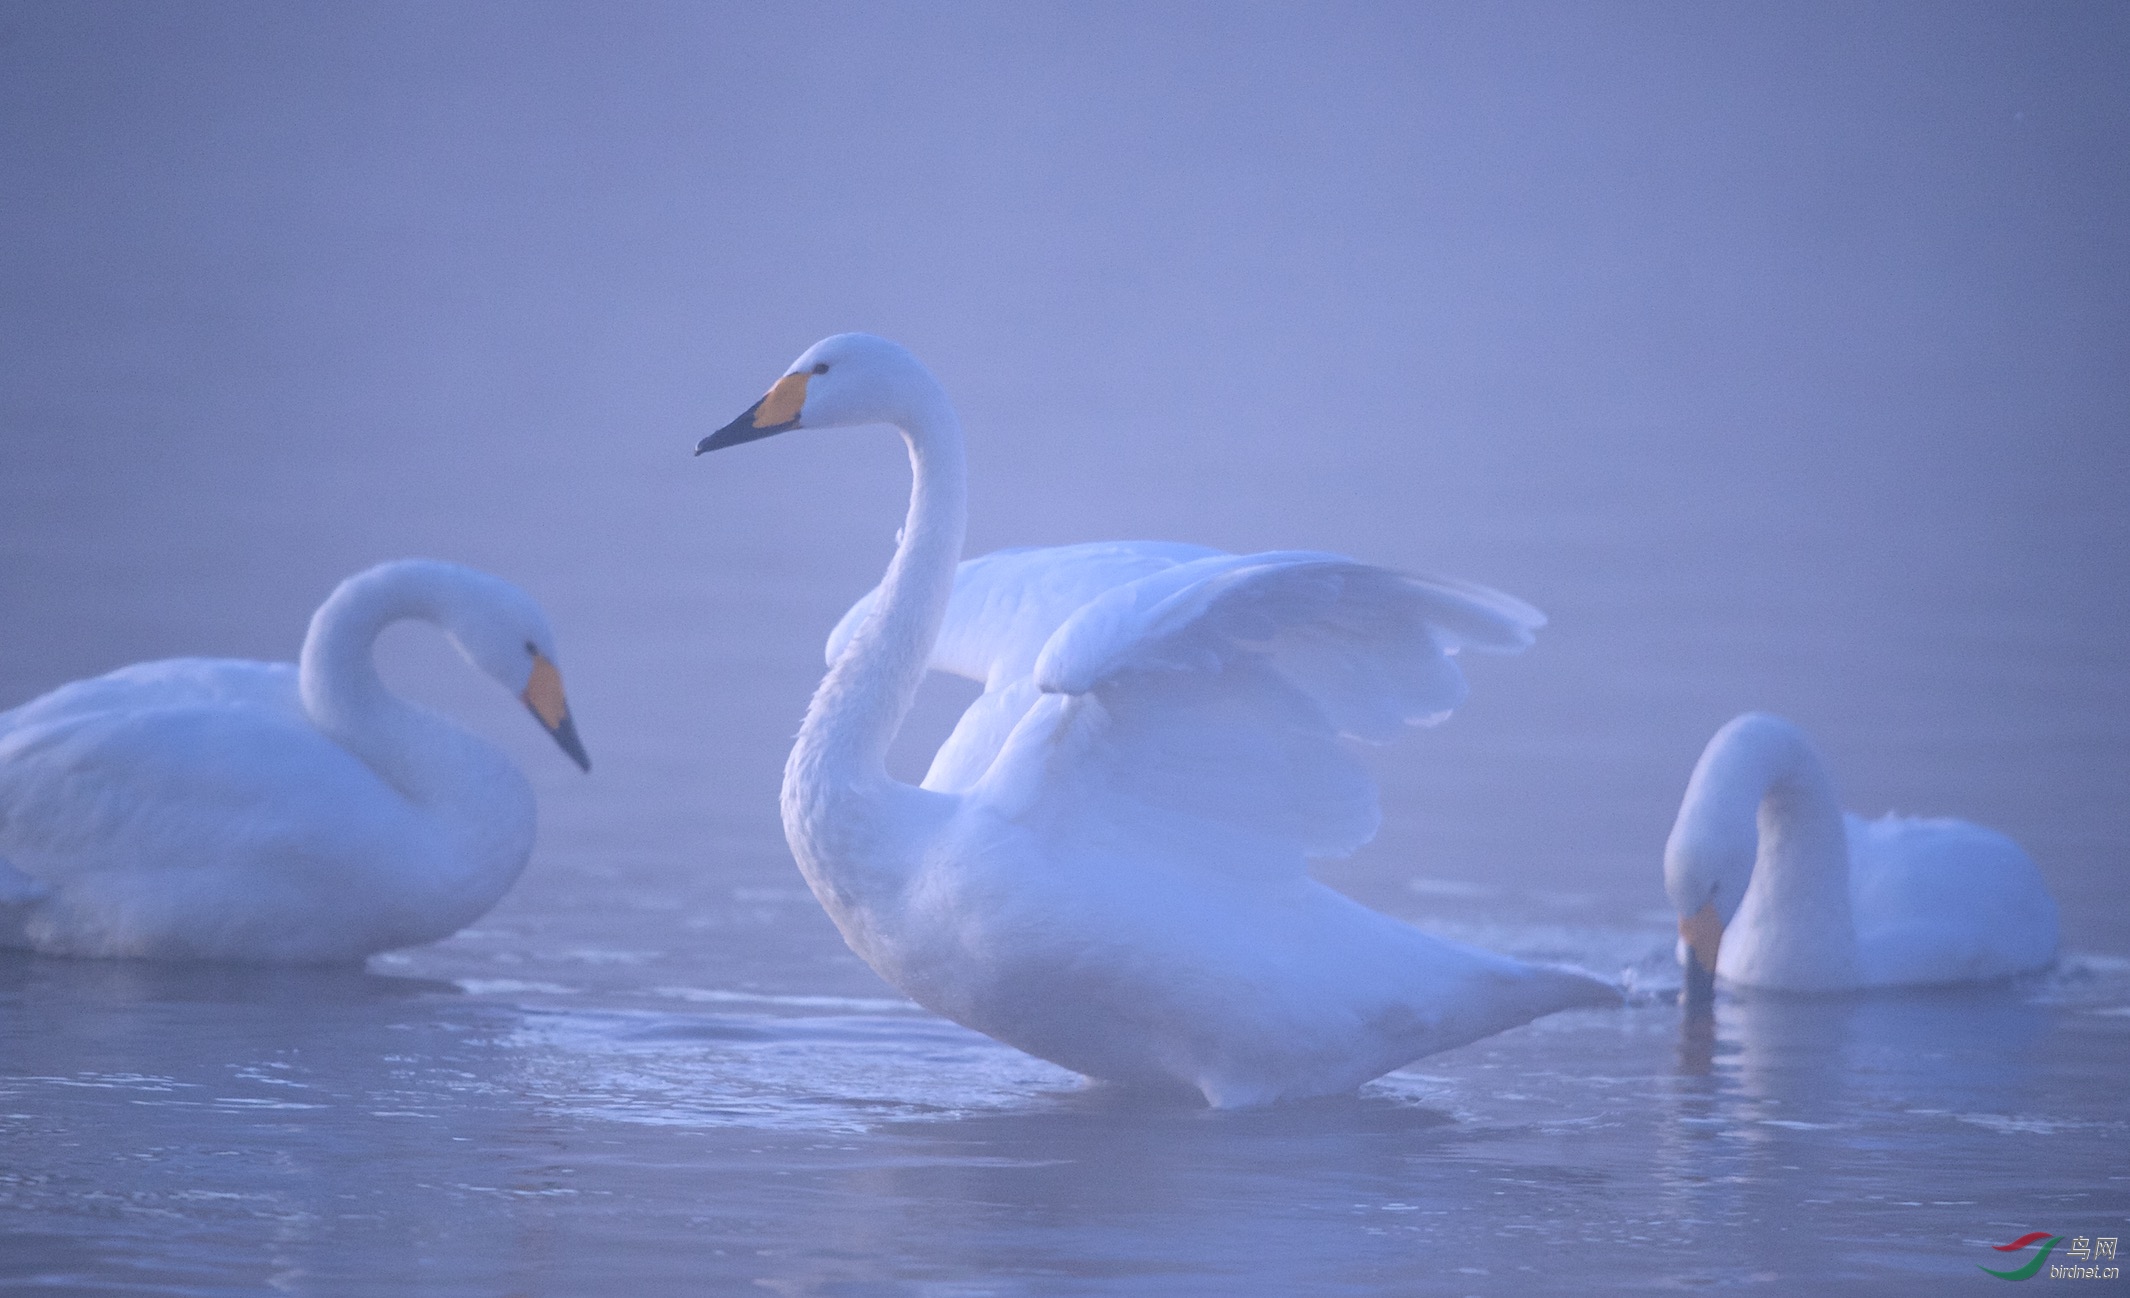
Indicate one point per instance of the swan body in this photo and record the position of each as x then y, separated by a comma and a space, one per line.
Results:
1105, 865
1776, 887
201, 809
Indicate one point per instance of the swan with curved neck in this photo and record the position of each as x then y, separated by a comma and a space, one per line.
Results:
1775, 887
1106, 865
214, 809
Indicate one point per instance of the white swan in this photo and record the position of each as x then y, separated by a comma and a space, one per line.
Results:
1105, 867
211, 809
1776, 887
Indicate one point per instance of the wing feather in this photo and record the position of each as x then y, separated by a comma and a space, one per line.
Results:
1006, 605
172, 765
1372, 647
1201, 699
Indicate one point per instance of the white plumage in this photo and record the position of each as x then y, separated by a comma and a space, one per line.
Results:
1105, 865
226, 810
1776, 887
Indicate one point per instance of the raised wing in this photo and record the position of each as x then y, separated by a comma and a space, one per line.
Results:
1007, 604
1197, 711
1369, 646
1005, 607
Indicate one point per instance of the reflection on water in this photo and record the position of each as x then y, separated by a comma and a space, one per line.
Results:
223, 1131
1871, 1109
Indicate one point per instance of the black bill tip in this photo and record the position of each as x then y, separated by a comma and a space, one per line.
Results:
564, 733
742, 430
1699, 994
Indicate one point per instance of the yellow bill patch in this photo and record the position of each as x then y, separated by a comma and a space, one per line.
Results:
543, 694
1704, 934
786, 397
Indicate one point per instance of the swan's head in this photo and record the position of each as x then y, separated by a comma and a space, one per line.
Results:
1715, 842
840, 381
503, 633
1706, 874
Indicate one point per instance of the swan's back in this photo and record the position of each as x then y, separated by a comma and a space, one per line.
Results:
1945, 901
171, 682
145, 801
118, 769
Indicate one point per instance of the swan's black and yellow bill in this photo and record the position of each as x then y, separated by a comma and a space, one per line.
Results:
1703, 933
777, 412
543, 694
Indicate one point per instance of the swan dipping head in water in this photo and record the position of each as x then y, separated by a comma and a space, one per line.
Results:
213, 809
1776, 887
1106, 864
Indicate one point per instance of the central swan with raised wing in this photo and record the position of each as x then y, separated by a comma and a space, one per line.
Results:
1106, 865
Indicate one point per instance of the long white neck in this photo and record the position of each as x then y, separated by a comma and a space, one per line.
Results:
417, 752
849, 824
1761, 802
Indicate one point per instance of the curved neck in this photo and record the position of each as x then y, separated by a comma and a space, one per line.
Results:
862, 701
1761, 804
347, 700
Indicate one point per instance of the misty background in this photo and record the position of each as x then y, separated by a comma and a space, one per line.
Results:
1778, 353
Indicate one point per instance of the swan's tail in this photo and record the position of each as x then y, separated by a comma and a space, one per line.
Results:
1565, 987
1513, 992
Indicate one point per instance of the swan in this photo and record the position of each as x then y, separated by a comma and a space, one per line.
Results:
1776, 887
1105, 866
213, 809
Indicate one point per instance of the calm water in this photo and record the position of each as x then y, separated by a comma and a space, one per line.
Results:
1778, 357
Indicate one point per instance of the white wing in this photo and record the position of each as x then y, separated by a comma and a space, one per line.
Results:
1005, 607
1186, 704
1370, 647
1944, 901
1196, 714
1007, 604
181, 764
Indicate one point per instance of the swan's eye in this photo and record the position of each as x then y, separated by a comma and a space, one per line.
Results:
532, 648
821, 367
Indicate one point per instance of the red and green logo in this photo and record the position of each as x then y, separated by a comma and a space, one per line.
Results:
2044, 1238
